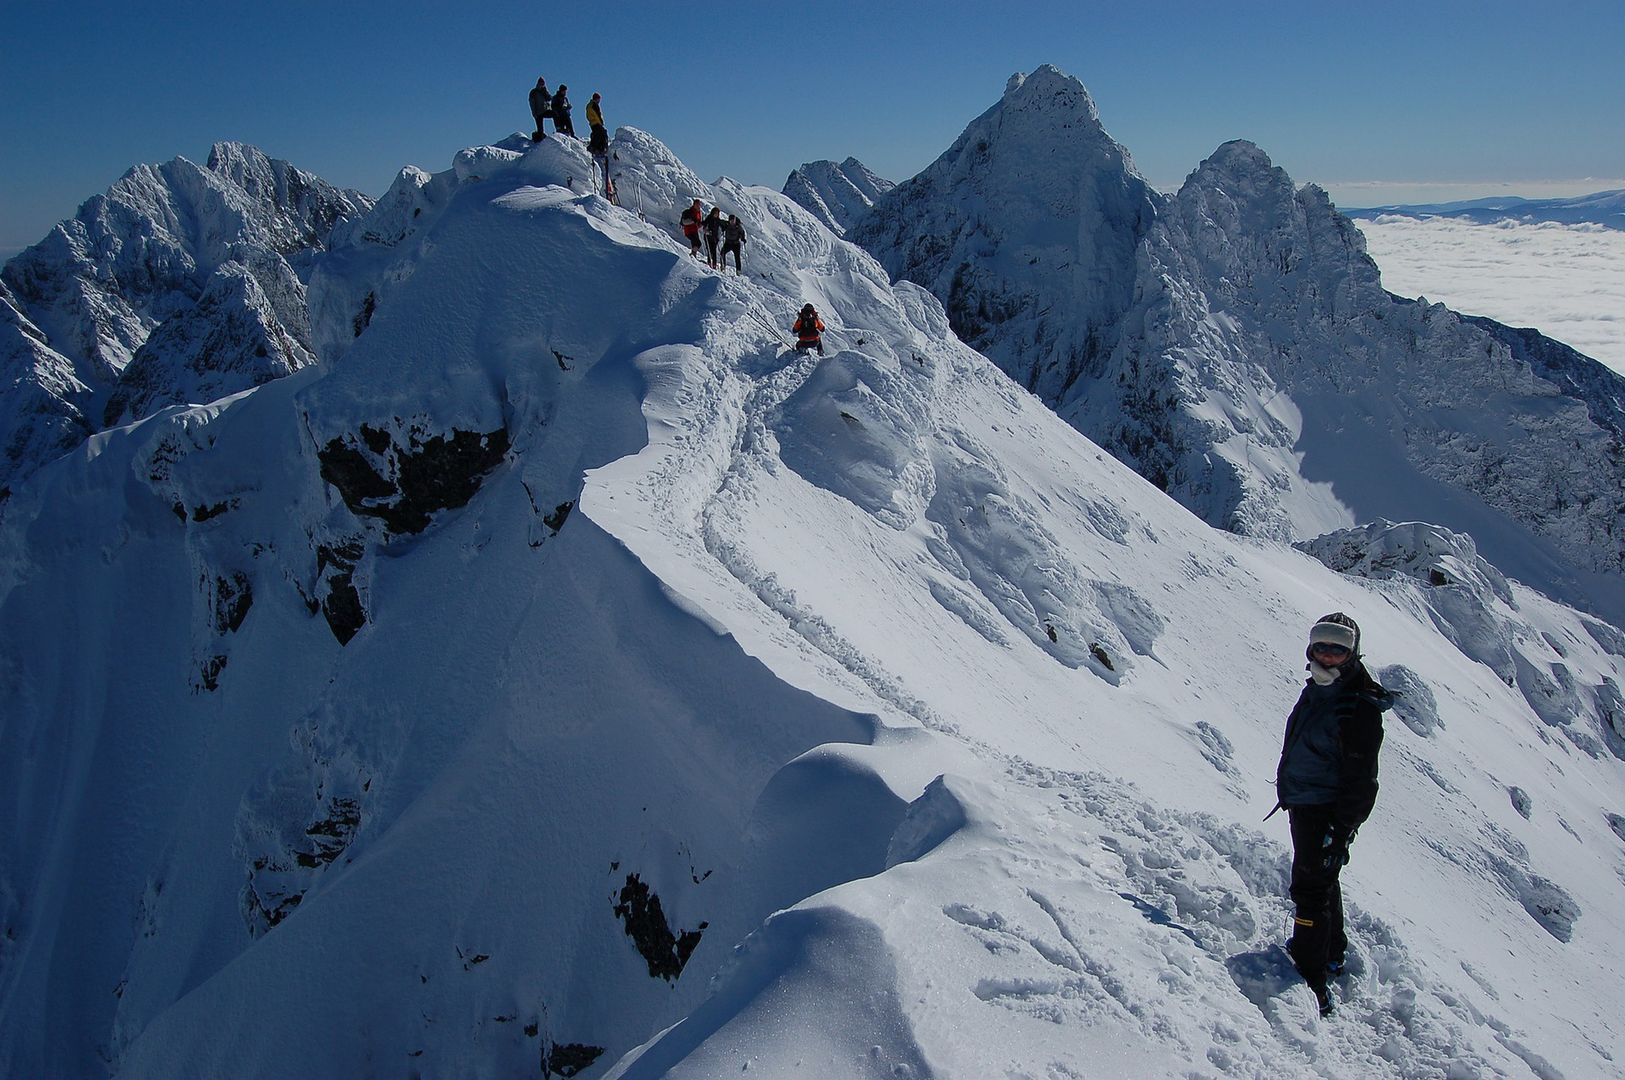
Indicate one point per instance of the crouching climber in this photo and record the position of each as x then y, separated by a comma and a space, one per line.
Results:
809, 330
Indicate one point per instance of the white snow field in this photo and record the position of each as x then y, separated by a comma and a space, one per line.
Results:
570, 679
1567, 281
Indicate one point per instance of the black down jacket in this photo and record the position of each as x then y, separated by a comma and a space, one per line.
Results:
1329, 755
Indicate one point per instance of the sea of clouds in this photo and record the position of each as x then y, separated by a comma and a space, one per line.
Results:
1568, 281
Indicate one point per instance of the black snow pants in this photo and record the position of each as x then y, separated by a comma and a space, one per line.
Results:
1317, 931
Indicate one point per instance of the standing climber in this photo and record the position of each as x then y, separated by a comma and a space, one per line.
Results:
598, 147
809, 330
595, 112
733, 237
541, 107
690, 220
713, 235
561, 113
1327, 782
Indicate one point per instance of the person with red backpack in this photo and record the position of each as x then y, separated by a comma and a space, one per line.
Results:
809, 330
691, 220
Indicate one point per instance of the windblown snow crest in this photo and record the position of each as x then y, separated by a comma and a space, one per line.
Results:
576, 680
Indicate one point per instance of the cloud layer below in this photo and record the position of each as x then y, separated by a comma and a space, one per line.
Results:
1568, 281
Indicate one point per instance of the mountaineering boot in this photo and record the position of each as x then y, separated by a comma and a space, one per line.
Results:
1323, 997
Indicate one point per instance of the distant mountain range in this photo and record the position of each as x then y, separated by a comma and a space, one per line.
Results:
1605, 208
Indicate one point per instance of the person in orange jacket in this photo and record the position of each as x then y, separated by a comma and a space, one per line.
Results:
809, 330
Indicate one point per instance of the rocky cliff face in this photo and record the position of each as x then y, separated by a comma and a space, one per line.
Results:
209, 260
1234, 344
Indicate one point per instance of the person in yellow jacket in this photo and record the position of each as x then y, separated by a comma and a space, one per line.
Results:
595, 111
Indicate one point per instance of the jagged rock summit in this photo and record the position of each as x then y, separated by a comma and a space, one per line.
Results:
574, 680
180, 284
1234, 345
837, 195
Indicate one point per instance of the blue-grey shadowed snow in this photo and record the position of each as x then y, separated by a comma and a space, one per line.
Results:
1263, 973
1156, 915
806, 986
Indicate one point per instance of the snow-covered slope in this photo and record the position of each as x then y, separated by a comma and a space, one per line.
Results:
1606, 208
179, 284
1235, 345
576, 681
837, 195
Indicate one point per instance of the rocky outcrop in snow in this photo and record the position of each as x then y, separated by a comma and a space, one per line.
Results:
837, 195
181, 281
1234, 345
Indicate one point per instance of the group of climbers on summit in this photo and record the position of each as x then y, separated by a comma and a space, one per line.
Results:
556, 107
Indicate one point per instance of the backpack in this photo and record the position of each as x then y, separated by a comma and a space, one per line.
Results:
689, 216
807, 325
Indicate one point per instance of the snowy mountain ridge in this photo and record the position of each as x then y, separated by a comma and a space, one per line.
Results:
1234, 344
574, 680
180, 284
836, 195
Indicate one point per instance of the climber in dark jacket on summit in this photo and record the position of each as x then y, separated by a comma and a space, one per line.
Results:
1327, 782
541, 107
561, 113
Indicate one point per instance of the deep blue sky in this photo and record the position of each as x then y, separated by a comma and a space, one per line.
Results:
1477, 95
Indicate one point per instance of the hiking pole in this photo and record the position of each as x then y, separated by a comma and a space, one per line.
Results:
775, 331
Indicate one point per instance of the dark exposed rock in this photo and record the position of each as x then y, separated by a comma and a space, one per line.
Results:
332, 834
282, 875
233, 597
568, 1059
1617, 823
342, 605
404, 486
204, 513
268, 915
209, 675
665, 952
555, 520
348, 469
377, 439
363, 318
